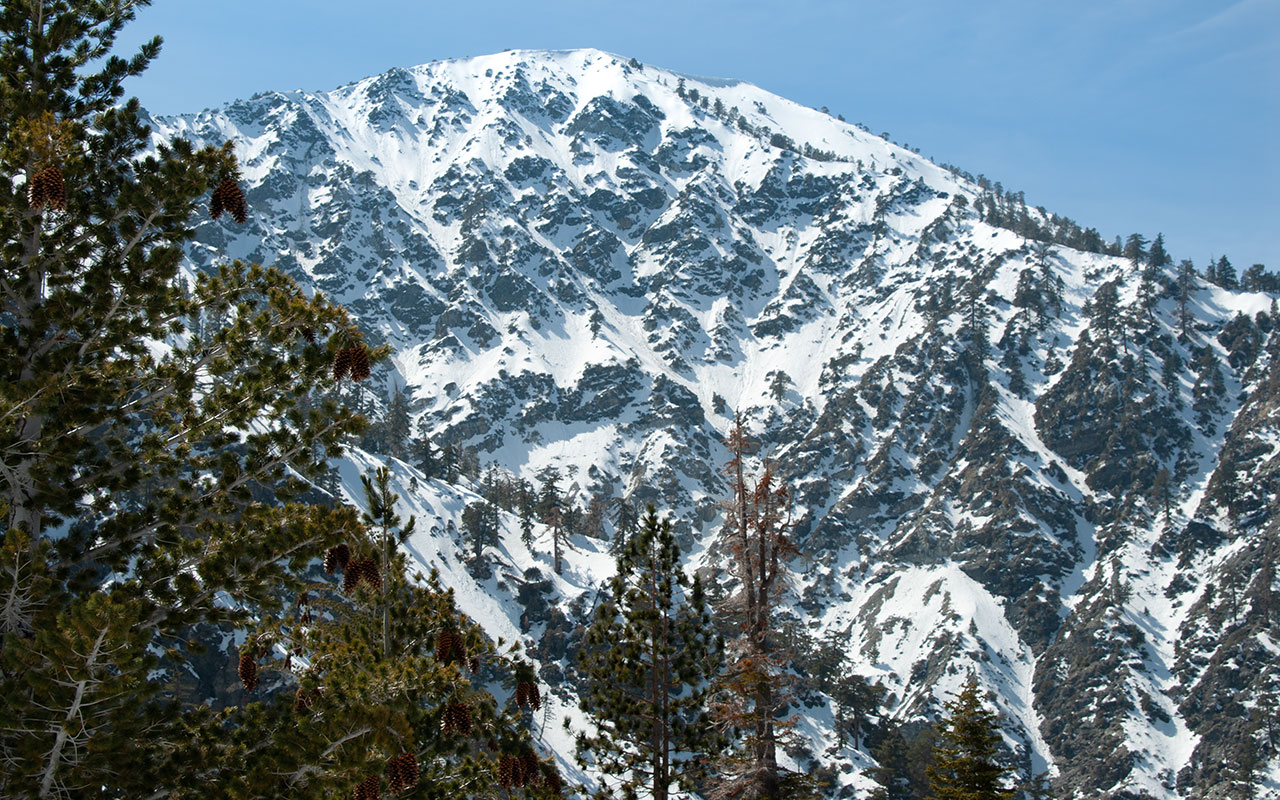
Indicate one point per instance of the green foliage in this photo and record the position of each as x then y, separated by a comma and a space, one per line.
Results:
648, 658
374, 682
966, 757
154, 426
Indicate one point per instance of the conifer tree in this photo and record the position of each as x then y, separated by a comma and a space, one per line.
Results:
648, 658
1186, 282
753, 688
892, 770
151, 422
624, 523
389, 687
966, 759
397, 424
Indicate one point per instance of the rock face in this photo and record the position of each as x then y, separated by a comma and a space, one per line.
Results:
1006, 457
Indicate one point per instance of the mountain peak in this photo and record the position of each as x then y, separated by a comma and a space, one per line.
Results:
591, 265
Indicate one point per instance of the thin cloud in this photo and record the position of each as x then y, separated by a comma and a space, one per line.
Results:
1234, 15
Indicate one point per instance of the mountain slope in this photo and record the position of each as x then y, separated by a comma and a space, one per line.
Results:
592, 264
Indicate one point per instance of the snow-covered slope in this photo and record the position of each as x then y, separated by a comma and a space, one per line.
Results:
592, 264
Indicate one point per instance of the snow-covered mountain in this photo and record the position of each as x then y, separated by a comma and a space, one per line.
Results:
589, 263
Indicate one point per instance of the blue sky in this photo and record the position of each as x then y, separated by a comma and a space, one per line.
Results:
1126, 115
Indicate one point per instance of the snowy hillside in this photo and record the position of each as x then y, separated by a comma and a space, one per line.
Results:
1007, 456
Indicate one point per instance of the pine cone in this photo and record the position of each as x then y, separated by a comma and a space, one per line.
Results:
215, 204
342, 363
228, 197
527, 768
449, 647
527, 695
351, 578
457, 719
248, 670
369, 573
507, 766
368, 789
308, 334
336, 558
473, 664
47, 189
404, 767
359, 363
552, 780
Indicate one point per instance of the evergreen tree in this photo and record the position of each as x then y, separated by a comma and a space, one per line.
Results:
892, 770
754, 689
778, 386
1037, 788
1135, 249
480, 523
1158, 258
648, 658
427, 458
1186, 285
397, 424
1104, 309
966, 756
1226, 274
625, 523
388, 694
152, 422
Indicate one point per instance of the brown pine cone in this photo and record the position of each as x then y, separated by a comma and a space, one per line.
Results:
359, 363
370, 574
342, 363
406, 770
351, 578
457, 719
37, 192
47, 188
248, 670
336, 558
552, 780
308, 334
216, 203
228, 197
368, 789
527, 695
448, 646
527, 768
473, 664
507, 766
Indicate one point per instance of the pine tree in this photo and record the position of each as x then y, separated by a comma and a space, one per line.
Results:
966, 755
648, 658
1186, 285
625, 523
753, 688
388, 694
425, 453
1226, 274
480, 524
892, 771
152, 436
1135, 249
1104, 309
397, 424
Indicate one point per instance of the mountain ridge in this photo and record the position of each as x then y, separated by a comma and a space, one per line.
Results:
583, 263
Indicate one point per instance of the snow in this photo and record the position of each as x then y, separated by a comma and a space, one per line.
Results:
897, 615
